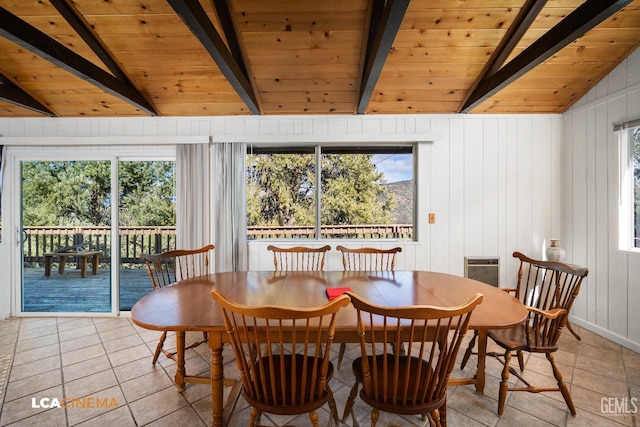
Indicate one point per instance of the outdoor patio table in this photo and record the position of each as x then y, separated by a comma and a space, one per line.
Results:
187, 306
82, 260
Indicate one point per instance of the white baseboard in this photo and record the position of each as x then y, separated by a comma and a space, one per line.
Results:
618, 339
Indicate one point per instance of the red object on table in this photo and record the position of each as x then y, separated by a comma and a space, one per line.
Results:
336, 292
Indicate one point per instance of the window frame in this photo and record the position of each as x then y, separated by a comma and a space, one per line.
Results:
2, 167
36, 152
626, 241
318, 149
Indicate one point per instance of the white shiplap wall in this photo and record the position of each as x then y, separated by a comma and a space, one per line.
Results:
610, 300
494, 181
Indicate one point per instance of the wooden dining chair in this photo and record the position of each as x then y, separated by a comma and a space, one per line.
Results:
414, 383
538, 335
543, 285
547, 289
169, 267
366, 259
283, 355
298, 258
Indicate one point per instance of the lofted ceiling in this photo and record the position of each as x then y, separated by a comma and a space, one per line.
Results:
104, 58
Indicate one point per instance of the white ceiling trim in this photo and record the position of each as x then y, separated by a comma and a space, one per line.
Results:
102, 140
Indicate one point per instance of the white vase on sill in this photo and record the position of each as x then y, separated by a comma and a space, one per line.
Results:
555, 252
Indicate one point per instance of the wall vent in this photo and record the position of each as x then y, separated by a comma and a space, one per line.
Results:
482, 269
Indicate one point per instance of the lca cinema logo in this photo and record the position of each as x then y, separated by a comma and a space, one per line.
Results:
74, 402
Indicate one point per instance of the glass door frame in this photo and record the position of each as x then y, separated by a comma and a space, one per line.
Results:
116, 217
13, 223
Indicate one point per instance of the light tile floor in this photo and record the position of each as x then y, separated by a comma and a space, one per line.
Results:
105, 363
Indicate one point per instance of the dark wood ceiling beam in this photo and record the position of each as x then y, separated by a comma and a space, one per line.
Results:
517, 30
13, 94
574, 26
21, 33
512, 37
194, 17
84, 30
386, 28
377, 10
226, 21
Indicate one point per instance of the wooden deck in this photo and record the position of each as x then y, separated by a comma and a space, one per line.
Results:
71, 293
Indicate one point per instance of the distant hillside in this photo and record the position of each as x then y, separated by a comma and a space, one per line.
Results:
403, 192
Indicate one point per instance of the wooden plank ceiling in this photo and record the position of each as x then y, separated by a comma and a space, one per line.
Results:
101, 58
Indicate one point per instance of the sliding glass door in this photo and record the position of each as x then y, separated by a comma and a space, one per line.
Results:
84, 224
66, 223
147, 220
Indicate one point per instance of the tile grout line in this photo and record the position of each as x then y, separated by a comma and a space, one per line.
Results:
112, 368
579, 345
6, 366
117, 379
634, 421
59, 355
64, 383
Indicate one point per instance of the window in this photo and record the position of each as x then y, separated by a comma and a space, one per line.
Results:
630, 187
635, 147
312, 192
1, 169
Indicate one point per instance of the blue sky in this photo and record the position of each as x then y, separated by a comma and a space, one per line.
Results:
396, 167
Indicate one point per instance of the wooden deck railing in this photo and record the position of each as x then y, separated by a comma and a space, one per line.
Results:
137, 240
133, 241
375, 231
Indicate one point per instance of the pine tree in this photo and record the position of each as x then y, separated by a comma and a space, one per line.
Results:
281, 190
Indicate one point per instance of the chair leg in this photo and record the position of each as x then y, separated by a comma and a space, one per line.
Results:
435, 417
561, 384
520, 354
574, 333
375, 416
348, 407
504, 384
343, 348
254, 415
469, 351
313, 416
163, 337
333, 407
442, 413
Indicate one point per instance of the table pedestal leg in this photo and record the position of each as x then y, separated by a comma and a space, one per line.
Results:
180, 371
482, 356
217, 379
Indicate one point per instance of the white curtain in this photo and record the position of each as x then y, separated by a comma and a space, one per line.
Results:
228, 201
193, 194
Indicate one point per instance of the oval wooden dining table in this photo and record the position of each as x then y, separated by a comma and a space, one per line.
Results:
188, 306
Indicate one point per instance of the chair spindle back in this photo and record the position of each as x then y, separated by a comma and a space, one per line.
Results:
417, 381
169, 267
369, 259
299, 258
547, 285
282, 353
